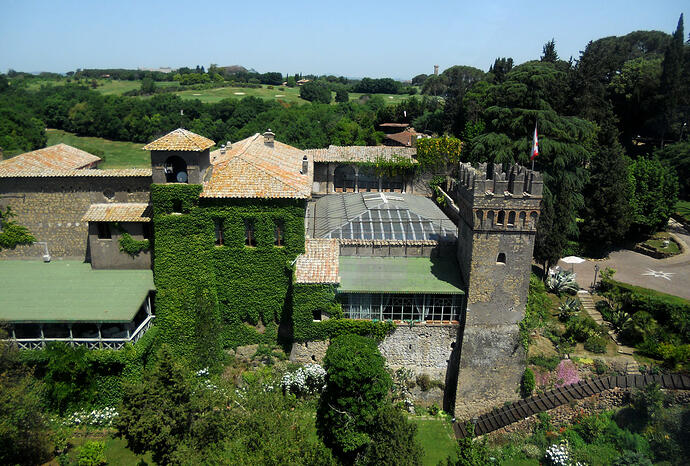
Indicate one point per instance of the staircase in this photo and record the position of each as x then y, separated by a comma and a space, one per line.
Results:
588, 305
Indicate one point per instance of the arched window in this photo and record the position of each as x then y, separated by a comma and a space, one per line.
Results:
479, 217
501, 259
175, 169
367, 181
533, 218
511, 219
523, 219
490, 218
344, 179
501, 218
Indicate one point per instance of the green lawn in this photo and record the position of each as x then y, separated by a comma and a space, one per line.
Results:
116, 451
117, 154
437, 438
683, 209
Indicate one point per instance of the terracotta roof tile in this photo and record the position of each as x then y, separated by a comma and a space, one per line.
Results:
118, 212
403, 137
319, 263
180, 139
57, 157
82, 173
360, 153
253, 169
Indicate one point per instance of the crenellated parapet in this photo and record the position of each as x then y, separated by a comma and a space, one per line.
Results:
496, 199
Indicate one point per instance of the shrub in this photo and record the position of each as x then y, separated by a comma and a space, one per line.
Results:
632, 458
580, 328
307, 380
91, 454
393, 441
596, 344
434, 409
600, 367
424, 382
528, 383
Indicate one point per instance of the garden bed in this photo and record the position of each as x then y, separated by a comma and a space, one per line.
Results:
659, 246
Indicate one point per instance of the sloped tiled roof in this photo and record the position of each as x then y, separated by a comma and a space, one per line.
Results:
319, 263
360, 153
403, 137
118, 212
180, 139
253, 169
57, 157
82, 173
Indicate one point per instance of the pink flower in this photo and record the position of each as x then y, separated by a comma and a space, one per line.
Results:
566, 373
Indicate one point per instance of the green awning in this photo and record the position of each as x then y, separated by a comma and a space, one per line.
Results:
70, 291
399, 275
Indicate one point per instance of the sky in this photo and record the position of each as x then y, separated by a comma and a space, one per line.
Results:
374, 38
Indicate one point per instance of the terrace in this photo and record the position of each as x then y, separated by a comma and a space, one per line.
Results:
68, 301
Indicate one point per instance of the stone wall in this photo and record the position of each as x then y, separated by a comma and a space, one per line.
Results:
52, 209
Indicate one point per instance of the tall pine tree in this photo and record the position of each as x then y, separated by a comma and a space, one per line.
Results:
606, 213
671, 77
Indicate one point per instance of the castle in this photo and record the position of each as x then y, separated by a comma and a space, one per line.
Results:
285, 245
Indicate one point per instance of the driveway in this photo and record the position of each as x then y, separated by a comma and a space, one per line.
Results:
670, 275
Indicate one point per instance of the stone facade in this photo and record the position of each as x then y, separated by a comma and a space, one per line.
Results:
52, 209
197, 165
325, 180
496, 228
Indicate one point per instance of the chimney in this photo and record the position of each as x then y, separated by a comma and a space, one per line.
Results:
222, 149
305, 165
228, 145
269, 137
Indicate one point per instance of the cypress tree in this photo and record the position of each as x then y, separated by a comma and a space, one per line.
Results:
671, 77
606, 212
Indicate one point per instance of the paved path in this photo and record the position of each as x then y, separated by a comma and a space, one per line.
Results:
670, 275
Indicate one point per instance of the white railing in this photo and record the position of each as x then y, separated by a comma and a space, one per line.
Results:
90, 343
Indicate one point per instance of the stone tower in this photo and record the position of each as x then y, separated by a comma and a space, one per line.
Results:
180, 157
498, 217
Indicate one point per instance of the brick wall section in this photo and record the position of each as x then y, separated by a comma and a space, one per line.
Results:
52, 209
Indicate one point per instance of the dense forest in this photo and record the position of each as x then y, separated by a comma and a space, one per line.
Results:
612, 124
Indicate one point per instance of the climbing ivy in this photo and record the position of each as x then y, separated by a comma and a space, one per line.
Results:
12, 234
247, 287
131, 246
438, 152
389, 167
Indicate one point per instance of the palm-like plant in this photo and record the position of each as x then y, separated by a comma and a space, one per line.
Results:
568, 309
562, 282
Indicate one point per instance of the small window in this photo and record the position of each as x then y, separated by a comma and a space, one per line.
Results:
511, 219
146, 229
501, 218
278, 232
501, 259
316, 315
177, 206
218, 224
103, 230
249, 239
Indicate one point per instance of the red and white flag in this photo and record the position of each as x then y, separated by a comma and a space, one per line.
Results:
535, 144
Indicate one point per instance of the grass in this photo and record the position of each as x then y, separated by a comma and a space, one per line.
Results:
116, 451
284, 94
437, 438
117, 154
683, 209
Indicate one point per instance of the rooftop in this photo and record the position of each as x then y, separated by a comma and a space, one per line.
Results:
406, 138
380, 216
361, 153
50, 173
319, 263
436, 275
70, 291
180, 140
57, 157
118, 212
253, 168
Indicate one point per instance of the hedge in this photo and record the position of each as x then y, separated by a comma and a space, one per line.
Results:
111, 368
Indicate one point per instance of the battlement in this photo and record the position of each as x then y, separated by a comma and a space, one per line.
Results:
517, 182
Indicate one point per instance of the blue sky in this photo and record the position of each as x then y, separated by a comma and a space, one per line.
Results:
355, 38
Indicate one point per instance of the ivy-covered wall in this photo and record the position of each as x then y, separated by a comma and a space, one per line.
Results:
308, 298
245, 289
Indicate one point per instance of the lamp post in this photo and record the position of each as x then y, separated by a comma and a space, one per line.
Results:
596, 272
